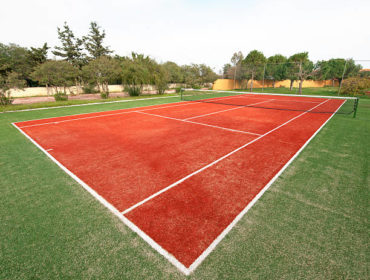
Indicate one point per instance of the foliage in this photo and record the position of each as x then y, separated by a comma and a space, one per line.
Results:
253, 65
101, 71
104, 95
89, 88
55, 73
300, 67
355, 85
93, 42
38, 55
14, 58
60, 96
7, 82
71, 49
331, 69
174, 72
136, 70
276, 68
161, 78
133, 90
196, 75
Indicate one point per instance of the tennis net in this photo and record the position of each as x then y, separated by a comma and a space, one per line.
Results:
275, 101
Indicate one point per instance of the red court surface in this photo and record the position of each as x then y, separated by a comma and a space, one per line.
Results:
181, 175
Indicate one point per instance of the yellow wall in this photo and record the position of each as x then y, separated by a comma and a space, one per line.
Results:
228, 84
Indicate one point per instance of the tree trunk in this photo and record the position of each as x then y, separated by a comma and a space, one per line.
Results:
251, 87
332, 82
300, 86
273, 83
291, 85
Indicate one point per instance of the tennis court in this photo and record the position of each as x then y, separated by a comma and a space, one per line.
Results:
181, 175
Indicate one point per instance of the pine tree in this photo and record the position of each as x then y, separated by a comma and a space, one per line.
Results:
71, 49
94, 42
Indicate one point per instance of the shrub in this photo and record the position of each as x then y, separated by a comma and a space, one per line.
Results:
5, 100
89, 88
178, 89
60, 96
355, 86
104, 95
133, 90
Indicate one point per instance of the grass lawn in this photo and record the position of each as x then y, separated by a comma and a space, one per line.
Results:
17, 107
312, 223
327, 91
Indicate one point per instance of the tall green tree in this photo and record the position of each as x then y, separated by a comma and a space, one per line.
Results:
71, 48
301, 67
253, 65
236, 70
93, 42
14, 58
38, 56
175, 74
11, 80
276, 68
57, 74
101, 71
136, 72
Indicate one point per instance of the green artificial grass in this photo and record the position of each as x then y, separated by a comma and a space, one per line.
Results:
311, 224
17, 107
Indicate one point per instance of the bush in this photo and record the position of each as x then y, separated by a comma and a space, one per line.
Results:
88, 89
355, 86
4, 100
133, 90
178, 89
60, 96
104, 95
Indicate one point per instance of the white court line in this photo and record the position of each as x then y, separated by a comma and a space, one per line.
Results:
105, 115
219, 238
240, 107
198, 123
214, 162
143, 235
114, 210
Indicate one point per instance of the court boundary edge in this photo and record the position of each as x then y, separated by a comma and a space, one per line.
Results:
110, 207
219, 238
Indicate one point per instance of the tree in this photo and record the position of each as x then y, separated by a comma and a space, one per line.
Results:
94, 42
175, 74
226, 70
160, 78
55, 73
7, 82
71, 49
38, 56
206, 74
136, 73
101, 71
13, 58
302, 66
254, 65
236, 61
191, 75
276, 68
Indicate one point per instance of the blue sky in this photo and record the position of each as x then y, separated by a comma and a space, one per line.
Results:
201, 31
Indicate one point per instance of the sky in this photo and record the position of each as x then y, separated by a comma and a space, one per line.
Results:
202, 31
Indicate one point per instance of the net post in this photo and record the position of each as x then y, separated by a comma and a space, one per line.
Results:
355, 106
